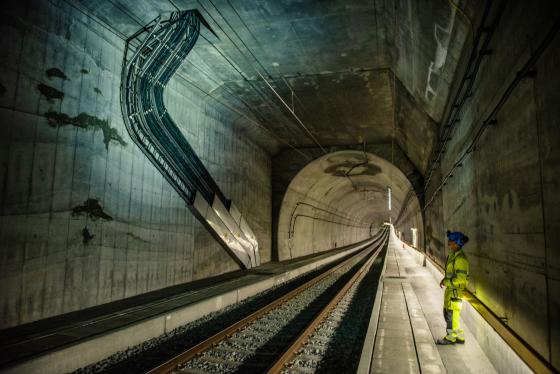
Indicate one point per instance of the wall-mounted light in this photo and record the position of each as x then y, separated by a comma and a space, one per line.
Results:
414, 237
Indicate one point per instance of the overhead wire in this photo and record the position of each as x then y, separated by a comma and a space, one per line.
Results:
292, 109
262, 49
142, 25
260, 64
257, 89
231, 107
300, 122
86, 12
294, 114
246, 79
290, 87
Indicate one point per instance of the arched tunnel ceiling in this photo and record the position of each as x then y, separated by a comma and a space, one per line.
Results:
353, 182
352, 71
350, 184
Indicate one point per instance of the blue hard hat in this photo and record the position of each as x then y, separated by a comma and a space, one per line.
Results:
458, 237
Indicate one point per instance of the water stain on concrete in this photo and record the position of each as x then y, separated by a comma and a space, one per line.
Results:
463, 200
50, 92
56, 73
136, 237
86, 121
86, 235
97, 91
352, 168
91, 208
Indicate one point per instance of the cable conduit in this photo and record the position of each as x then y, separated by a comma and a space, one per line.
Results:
164, 45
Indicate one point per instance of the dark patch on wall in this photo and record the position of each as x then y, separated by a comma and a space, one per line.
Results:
91, 208
352, 168
136, 237
2, 89
86, 235
463, 200
84, 71
56, 73
50, 92
433, 244
86, 121
97, 91
510, 199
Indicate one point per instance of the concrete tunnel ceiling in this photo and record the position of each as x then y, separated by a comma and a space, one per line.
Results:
338, 199
352, 71
460, 96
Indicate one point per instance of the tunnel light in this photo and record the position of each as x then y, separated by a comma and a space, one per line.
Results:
414, 237
389, 197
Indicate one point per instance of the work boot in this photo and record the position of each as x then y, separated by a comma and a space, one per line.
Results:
446, 341
460, 336
450, 338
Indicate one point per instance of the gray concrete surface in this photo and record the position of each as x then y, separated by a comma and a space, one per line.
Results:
70, 348
375, 76
140, 236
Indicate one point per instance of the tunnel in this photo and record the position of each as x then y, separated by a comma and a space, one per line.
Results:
339, 199
279, 186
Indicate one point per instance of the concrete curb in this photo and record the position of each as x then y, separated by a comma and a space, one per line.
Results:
369, 341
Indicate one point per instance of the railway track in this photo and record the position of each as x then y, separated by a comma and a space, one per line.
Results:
291, 334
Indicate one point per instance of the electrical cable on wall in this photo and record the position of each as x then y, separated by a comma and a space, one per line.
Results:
146, 71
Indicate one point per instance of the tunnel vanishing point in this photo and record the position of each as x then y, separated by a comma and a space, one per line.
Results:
155, 150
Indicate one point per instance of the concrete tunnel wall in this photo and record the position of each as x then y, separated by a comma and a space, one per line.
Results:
61, 172
410, 218
339, 199
505, 196
77, 168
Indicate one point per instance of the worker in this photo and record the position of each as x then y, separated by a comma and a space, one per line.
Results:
455, 281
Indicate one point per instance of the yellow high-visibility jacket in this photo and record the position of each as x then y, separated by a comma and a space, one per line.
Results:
456, 276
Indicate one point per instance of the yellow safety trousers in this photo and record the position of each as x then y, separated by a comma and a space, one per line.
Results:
456, 280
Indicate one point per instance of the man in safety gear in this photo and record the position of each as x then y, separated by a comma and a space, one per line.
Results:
455, 281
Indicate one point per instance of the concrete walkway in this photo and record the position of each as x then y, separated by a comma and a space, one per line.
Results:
411, 320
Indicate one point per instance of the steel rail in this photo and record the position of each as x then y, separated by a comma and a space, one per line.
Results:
173, 363
290, 353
